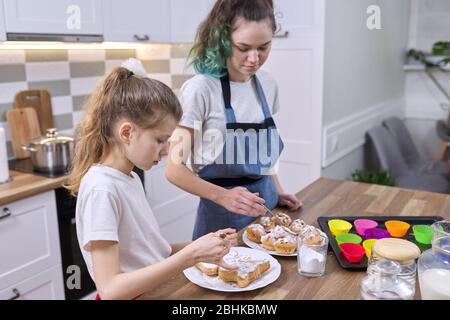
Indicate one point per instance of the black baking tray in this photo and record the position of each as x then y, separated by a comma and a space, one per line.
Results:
362, 265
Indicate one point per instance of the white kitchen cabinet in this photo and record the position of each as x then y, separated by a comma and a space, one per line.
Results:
297, 20
71, 17
137, 20
2, 23
47, 285
29, 241
185, 17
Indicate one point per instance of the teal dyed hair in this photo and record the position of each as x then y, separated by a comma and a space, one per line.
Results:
212, 46
213, 61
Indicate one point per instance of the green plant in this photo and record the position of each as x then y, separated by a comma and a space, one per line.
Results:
375, 177
441, 48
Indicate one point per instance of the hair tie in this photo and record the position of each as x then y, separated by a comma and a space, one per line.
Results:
135, 67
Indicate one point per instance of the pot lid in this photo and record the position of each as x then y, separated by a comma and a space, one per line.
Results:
52, 137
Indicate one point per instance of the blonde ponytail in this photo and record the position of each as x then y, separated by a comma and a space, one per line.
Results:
120, 95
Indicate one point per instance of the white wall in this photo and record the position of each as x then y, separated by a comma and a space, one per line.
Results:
430, 22
364, 77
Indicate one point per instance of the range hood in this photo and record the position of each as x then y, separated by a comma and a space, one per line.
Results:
54, 37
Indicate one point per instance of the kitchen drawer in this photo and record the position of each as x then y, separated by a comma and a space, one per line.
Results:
47, 285
29, 238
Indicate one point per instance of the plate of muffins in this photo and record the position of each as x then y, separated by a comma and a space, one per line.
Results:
278, 236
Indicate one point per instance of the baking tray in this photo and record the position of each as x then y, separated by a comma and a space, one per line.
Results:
362, 265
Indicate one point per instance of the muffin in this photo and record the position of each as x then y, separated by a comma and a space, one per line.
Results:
268, 242
311, 235
284, 219
255, 232
286, 245
297, 226
267, 222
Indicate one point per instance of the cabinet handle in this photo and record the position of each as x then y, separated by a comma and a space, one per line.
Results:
16, 294
144, 38
283, 35
6, 213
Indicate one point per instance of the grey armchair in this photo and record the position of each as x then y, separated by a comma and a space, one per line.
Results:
390, 158
409, 151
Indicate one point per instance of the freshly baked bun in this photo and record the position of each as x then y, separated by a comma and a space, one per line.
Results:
284, 219
268, 242
286, 245
267, 222
279, 232
248, 270
311, 235
208, 268
297, 226
255, 232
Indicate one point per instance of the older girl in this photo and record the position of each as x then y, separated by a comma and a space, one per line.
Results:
227, 128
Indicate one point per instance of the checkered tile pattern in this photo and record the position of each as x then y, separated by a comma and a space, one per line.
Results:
71, 76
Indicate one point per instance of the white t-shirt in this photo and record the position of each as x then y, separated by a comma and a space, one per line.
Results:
112, 206
202, 101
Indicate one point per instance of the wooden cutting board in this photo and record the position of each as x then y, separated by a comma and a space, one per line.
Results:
40, 101
24, 126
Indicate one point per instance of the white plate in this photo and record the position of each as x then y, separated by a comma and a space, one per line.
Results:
214, 283
259, 246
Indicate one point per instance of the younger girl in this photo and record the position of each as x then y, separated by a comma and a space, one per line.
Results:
128, 122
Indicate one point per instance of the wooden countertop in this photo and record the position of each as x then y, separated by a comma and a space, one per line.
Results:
323, 198
24, 185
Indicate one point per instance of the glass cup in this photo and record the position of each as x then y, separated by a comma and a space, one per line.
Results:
384, 282
312, 258
434, 265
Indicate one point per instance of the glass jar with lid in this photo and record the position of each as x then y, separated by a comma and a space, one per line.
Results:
401, 251
434, 265
385, 283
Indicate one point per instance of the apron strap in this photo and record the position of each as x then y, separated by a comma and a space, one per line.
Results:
226, 92
268, 123
233, 182
229, 112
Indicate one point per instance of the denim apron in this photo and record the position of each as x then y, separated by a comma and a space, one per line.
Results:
249, 151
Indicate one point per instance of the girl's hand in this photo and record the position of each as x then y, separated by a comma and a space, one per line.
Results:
289, 201
212, 247
242, 201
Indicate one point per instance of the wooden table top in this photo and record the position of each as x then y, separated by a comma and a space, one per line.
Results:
323, 198
25, 185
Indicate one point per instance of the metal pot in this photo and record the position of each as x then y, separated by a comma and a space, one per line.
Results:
51, 153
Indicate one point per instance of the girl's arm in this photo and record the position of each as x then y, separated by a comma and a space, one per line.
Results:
178, 246
238, 200
177, 172
113, 284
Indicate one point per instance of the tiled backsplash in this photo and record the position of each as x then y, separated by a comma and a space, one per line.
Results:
71, 75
